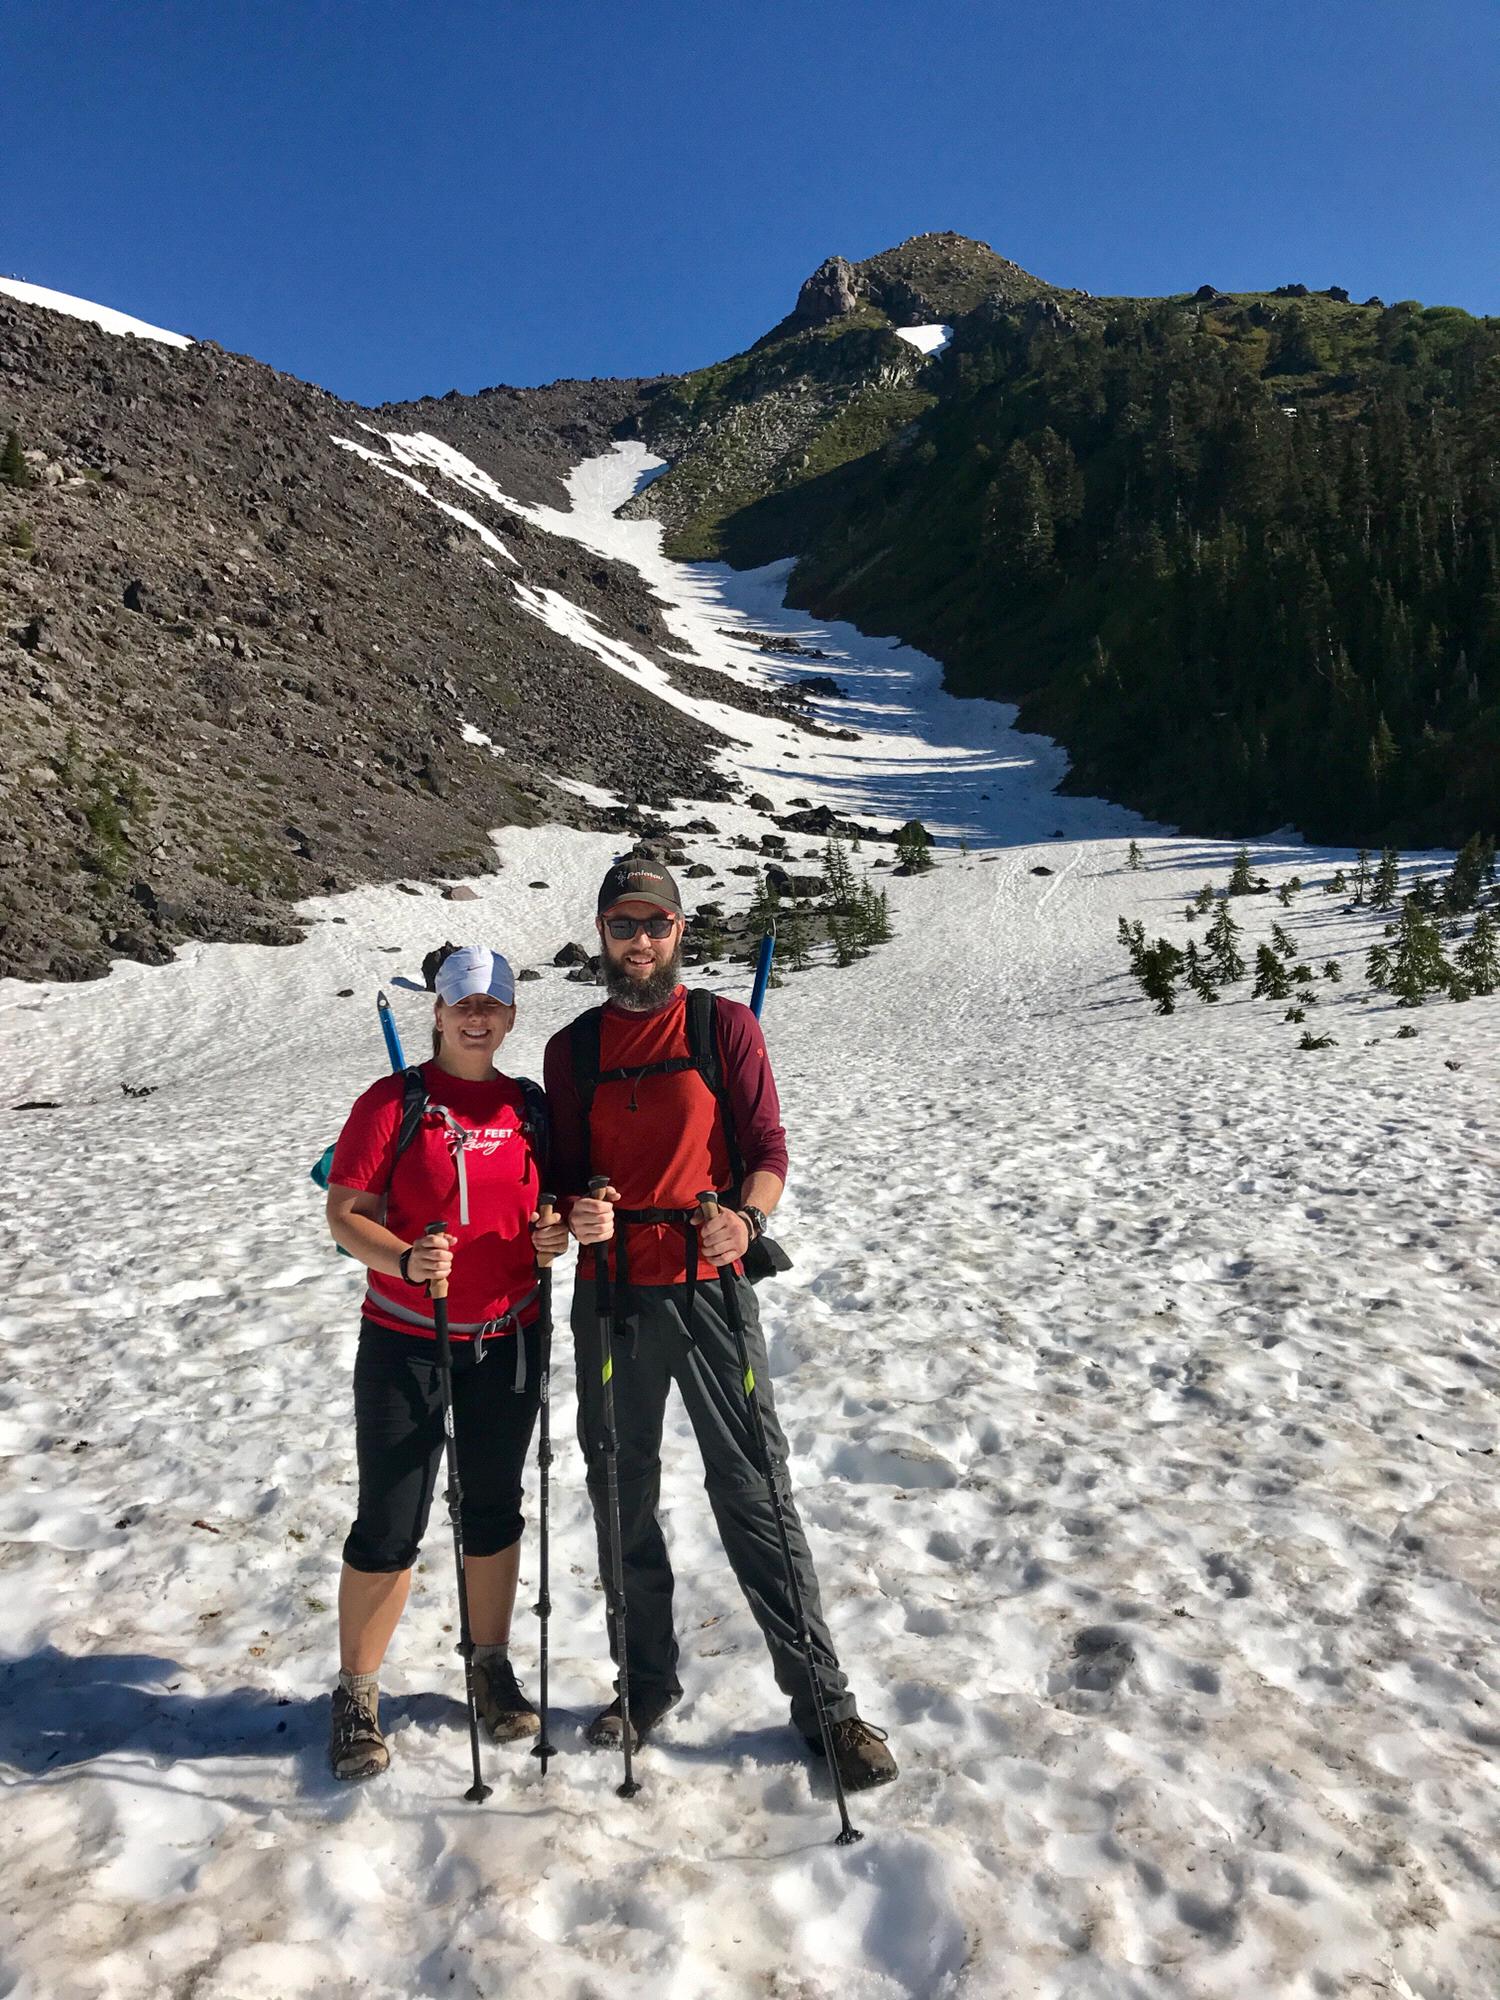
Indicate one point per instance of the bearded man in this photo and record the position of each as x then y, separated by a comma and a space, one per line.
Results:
667, 1094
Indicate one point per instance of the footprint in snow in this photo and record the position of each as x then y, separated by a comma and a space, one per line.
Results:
1102, 1657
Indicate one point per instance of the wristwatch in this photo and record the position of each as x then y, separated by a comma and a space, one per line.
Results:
755, 1220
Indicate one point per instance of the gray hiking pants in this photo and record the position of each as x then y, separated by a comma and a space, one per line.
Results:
650, 1354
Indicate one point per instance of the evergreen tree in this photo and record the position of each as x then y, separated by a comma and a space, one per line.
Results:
1240, 880
1197, 976
1271, 981
793, 940
1378, 967
844, 936
1387, 880
1474, 868
1224, 962
1161, 967
1362, 875
1133, 856
1339, 885
914, 847
764, 906
1332, 970
1204, 900
14, 471
1133, 938
1282, 942
1417, 963
1478, 958
838, 873
1284, 895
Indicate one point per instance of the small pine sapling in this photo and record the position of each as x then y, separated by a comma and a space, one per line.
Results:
1204, 900
1161, 967
1478, 957
1196, 974
1361, 874
1417, 963
1284, 895
1282, 942
1387, 880
1241, 882
14, 471
1339, 885
1294, 1014
1311, 1041
1378, 967
1133, 855
1301, 974
1332, 970
1271, 982
1224, 962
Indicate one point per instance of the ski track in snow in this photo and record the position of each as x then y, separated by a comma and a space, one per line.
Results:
1139, 1374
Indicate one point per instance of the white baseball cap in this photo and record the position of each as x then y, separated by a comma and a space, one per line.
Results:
475, 969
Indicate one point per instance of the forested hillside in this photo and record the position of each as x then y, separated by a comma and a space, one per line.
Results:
1241, 555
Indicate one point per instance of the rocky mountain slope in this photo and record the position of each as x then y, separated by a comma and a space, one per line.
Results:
237, 662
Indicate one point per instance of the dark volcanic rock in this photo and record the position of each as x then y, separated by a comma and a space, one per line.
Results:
235, 669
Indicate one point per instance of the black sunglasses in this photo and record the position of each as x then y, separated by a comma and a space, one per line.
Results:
621, 928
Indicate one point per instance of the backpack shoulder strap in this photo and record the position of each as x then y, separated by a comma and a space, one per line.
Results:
703, 1045
413, 1109
538, 1123
584, 1039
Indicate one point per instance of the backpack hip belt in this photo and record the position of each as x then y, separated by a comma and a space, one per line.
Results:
481, 1329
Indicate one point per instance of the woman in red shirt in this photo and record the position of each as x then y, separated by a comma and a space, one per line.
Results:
473, 1164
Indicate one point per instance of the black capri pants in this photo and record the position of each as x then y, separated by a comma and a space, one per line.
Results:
398, 1429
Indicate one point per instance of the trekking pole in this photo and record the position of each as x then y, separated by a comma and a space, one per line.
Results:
615, 1584
546, 1213
479, 1791
708, 1206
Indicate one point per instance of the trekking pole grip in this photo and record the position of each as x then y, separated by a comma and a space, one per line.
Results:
546, 1214
437, 1288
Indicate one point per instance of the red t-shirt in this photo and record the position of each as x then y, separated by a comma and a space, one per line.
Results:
660, 1138
493, 1264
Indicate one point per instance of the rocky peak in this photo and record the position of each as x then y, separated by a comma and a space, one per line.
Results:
831, 292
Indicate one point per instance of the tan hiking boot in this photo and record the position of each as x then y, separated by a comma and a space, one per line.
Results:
859, 1748
356, 1748
504, 1707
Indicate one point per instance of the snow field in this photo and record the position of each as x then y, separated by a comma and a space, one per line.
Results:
104, 317
1139, 1375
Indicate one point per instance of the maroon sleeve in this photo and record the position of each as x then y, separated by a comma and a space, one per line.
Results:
366, 1150
751, 1089
569, 1140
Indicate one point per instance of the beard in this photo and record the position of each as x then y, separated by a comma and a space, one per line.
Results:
643, 996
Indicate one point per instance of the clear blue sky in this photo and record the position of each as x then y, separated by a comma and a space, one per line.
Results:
394, 199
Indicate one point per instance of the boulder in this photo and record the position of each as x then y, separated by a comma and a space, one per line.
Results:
460, 892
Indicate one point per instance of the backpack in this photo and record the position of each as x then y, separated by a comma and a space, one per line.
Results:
764, 1258
414, 1104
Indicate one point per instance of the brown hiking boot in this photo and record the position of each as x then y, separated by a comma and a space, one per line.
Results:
859, 1749
504, 1709
356, 1748
607, 1731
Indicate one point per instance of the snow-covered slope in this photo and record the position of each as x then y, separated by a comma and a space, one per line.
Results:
1140, 1378
101, 316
